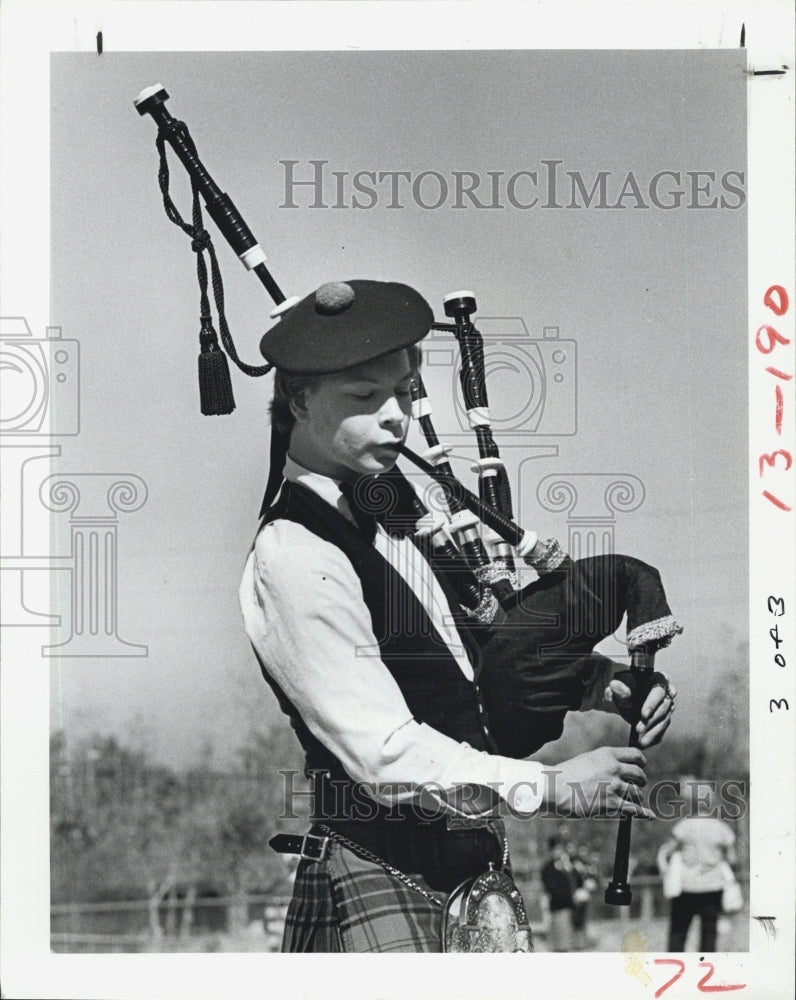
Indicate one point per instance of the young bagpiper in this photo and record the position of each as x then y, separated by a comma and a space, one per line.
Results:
363, 645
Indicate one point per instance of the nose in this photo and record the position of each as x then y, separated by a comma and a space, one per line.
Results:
391, 413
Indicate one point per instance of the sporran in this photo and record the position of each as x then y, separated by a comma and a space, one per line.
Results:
486, 914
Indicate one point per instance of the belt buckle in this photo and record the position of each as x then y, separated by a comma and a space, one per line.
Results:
321, 855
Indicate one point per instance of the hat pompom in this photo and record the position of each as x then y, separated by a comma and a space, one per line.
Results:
334, 297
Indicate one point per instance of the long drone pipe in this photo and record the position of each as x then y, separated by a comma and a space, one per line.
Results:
152, 101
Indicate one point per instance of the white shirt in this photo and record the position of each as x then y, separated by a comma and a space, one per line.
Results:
704, 842
305, 616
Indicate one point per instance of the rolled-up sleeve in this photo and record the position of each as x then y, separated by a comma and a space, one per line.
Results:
305, 615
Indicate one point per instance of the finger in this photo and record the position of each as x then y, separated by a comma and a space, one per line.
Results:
657, 695
633, 775
662, 711
620, 793
619, 692
660, 717
636, 811
628, 802
629, 755
633, 791
653, 701
655, 735
619, 687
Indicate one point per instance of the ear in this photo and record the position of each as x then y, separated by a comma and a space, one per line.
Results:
298, 407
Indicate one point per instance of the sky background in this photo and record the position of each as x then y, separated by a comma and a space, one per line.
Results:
655, 301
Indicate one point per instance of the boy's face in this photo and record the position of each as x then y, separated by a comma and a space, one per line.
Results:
352, 423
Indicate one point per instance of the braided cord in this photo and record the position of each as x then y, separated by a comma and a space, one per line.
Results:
201, 241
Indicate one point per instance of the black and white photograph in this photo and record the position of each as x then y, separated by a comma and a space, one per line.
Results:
397, 539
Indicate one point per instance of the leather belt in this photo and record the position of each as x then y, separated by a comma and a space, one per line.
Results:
444, 858
311, 847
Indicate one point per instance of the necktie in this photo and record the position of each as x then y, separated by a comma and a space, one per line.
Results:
365, 519
377, 500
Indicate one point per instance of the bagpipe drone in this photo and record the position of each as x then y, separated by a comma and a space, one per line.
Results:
535, 640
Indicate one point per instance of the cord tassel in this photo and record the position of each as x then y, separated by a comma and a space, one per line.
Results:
215, 384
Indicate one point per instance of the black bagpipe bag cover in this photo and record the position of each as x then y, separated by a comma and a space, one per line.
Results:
535, 661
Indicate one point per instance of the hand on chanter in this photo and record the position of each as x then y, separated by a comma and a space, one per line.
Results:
602, 782
656, 711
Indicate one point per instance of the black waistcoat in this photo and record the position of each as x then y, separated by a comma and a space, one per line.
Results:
431, 681
433, 686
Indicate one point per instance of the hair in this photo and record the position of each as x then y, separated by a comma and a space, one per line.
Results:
289, 388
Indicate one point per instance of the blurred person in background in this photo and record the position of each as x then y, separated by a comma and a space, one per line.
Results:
695, 864
560, 881
585, 866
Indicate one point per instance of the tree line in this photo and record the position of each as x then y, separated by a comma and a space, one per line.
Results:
126, 827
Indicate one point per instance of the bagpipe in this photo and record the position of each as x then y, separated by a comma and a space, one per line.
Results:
535, 640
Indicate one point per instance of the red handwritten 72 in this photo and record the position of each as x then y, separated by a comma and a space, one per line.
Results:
703, 984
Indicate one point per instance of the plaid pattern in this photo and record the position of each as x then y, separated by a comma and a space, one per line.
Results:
348, 904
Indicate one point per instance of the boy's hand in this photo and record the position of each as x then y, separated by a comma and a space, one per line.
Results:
656, 712
606, 781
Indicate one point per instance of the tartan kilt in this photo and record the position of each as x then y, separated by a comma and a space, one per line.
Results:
347, 904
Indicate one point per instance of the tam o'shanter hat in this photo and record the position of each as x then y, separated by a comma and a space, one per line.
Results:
342, 324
